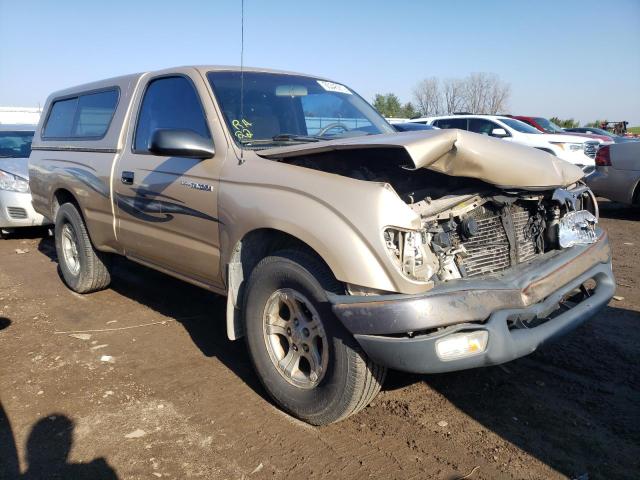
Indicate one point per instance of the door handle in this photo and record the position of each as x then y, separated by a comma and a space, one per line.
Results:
127, 178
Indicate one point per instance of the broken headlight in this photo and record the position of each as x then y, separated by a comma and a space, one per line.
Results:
410, 251
577, 228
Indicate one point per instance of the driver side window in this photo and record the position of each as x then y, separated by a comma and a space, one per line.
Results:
482, 126
169, 102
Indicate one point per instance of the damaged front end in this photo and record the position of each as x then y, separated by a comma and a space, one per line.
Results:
503, 239
466, 236
509, 272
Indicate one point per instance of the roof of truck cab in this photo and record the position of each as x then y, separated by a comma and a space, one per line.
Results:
204, 69
236, 68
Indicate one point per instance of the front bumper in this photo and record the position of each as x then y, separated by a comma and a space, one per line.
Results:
401, 331
16, 211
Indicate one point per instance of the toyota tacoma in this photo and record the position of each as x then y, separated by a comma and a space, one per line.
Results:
343, 247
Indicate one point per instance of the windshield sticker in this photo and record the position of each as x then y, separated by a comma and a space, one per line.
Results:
334, 87
242, 129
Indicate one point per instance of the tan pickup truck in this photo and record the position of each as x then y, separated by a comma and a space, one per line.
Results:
343, 247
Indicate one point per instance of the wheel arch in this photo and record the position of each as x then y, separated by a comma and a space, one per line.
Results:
245, 255
61, 196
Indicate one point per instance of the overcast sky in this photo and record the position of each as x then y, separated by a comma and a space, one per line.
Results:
575, 59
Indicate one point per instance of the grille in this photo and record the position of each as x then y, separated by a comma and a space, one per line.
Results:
17, 213
590, 149
489, 250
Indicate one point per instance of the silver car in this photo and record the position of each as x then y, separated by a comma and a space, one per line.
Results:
617, 175
15, 197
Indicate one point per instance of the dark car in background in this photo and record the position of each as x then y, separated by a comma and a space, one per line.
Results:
547, 126
601, 131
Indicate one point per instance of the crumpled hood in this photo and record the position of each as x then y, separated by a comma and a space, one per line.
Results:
457, 153
15, 166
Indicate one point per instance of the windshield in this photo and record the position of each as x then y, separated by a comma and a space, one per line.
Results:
281, 108
15, 144
519, 126
598, 131
548, 126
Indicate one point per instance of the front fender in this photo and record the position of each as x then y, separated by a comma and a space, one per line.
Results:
342, 219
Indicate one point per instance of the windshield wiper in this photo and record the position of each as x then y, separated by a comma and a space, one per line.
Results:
282, 138
290, 137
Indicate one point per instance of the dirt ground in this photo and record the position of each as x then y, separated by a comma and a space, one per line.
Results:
158, 391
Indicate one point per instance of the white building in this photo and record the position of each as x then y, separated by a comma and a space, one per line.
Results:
20, 115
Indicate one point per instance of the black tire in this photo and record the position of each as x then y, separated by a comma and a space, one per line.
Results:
91, 272
350, 380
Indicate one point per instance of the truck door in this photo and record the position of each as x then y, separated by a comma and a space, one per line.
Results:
166, 206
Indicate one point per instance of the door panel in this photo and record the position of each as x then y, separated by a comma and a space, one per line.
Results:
167, 206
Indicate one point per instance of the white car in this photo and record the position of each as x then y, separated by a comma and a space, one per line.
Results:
15, 198
577, 150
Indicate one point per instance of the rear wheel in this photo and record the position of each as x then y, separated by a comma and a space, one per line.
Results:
307, 361
83, 268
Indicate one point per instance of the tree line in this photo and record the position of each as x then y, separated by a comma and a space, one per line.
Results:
481, 93
478, 93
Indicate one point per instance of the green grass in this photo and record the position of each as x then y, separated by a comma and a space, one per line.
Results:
634, 130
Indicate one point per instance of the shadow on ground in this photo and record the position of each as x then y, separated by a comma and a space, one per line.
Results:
48, 447
27, 233
200, 312
573, 404
618, 211
4, 323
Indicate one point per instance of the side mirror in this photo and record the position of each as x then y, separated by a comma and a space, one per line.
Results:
180, 143
499, 132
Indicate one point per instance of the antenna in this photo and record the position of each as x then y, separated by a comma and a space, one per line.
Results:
242, 73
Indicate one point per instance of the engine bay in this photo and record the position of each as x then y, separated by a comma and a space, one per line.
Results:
472, 235
469, 228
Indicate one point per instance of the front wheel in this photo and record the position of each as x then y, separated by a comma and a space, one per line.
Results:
307, 361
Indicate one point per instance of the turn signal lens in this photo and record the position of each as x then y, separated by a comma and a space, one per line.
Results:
461, 345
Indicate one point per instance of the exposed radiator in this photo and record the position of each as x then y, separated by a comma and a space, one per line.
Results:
489, 250
525, 244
